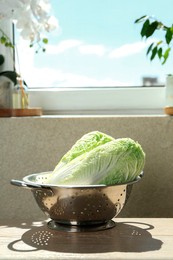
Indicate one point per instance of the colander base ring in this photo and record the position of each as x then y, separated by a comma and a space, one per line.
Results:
79, 228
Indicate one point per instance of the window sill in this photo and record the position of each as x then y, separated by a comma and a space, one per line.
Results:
97, 101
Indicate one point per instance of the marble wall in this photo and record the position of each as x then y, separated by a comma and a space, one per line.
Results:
29, 145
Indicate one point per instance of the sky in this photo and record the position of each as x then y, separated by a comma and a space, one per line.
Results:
97, 44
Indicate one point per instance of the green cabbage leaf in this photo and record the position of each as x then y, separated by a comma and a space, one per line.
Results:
85, 144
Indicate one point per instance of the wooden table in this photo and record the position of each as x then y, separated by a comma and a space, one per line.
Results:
133, 238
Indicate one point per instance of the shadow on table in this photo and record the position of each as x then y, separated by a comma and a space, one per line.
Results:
124, 237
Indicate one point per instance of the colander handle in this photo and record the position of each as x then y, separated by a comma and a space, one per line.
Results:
24, 184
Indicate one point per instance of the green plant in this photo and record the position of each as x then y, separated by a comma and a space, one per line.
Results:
5, 40
162, 47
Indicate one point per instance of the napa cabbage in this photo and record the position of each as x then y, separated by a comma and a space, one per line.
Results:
99, 159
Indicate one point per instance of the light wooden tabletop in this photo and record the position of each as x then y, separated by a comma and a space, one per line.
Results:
132, 238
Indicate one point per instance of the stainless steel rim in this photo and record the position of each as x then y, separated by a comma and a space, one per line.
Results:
28, 180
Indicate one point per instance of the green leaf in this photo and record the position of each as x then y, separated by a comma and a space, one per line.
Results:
145, 28
151, 29
168, 35
144, 17
7, 44
150, 48
167, 52
166, 55
45, 40
159, 52
171, 28
3, 39
160, 42
154, 51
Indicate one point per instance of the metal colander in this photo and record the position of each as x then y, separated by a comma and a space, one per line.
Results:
80, 206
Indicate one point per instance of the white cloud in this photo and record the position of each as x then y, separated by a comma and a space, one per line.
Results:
43, 77
129, 49
99, 49
76, 80
92, 49
62, 46
46, 77
52, 77
24, 57
96, 49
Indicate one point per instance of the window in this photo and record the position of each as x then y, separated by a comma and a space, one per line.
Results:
97, 60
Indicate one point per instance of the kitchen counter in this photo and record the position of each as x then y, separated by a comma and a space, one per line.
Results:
131, 238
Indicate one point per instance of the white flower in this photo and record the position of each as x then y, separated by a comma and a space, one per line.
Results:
51, 24
32, 17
